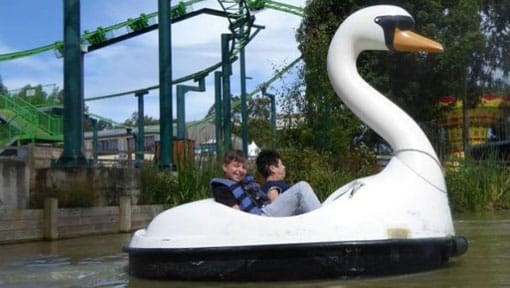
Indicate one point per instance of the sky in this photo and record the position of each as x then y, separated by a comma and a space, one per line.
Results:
133, 64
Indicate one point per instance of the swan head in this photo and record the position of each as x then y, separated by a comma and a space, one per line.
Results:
383, 27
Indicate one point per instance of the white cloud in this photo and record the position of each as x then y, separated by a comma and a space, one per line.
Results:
134, 64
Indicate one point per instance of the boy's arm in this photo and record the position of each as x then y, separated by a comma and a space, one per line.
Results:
273, 193
222, 194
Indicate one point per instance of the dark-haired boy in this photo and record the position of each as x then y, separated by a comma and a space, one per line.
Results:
238, 190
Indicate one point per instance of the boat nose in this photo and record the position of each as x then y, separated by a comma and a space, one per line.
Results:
460, 246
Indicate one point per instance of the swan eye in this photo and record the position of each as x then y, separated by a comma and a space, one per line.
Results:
395, 21
391, 22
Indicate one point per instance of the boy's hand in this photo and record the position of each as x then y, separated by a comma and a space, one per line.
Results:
273, 193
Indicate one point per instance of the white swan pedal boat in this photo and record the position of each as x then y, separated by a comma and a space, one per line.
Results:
394, 222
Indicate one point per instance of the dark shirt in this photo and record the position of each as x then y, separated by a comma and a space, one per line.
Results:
223, 195
280, 186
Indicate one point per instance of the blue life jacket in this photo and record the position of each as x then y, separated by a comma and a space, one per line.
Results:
251, 199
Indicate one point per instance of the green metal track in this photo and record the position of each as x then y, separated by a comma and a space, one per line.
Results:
255, 5
210, 118
22, 121
101, 33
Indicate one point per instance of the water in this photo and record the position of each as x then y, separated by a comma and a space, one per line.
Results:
99, 262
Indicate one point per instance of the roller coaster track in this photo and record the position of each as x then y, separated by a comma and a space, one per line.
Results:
238, 13
101, 33
250, 95
255, 5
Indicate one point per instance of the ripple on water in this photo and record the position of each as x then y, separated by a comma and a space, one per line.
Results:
63, 271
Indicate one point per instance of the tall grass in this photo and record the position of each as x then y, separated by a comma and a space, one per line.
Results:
472, 185
479, 185
193, 179
189, 183
322, 171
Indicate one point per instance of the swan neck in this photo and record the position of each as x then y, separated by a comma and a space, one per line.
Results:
375, 110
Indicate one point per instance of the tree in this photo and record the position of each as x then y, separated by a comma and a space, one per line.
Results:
259, 125
329, 125
3, 89
476, 37
259, 121
496, 16
133, 121
462, 64
38, 95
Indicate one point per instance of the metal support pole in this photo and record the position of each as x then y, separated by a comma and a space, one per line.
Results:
218, 119
94, 139
140, 135
273, 118
181, 90
227, 71
244, 108
72, 155
273, 115
165, 84
181, 105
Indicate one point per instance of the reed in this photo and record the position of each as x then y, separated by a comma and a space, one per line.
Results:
472, 185
188, 183
322, 170
479, 185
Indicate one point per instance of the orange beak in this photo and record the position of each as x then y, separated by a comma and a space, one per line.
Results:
408, 41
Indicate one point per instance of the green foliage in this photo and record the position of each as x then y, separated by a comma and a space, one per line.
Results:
189, 183
3, 89
473, 186
193, 179
321, 170
39, 95
133, 121
328, 125
474, 33
156, 185
76, 196
479, 186
497, 16
259, 123
79, 193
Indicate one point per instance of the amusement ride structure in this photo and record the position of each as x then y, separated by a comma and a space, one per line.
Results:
24, 122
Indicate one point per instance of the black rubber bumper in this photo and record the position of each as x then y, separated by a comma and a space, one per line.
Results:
295, 261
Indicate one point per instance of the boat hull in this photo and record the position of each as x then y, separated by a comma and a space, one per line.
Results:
302, 261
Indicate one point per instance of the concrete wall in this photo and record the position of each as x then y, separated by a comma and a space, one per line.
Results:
14, 183
17, 177
53, 223
85, 186
20, 225
26, 179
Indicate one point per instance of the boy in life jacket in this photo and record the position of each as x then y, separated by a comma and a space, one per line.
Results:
239, 191
270, 166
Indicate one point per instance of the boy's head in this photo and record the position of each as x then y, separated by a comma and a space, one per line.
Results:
235, 165
269, 163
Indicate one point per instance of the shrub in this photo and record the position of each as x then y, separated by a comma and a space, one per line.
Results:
477, 186
156, 185
189, 183
77, 194
321, 170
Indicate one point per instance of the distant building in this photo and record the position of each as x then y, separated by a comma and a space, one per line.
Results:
118, 144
